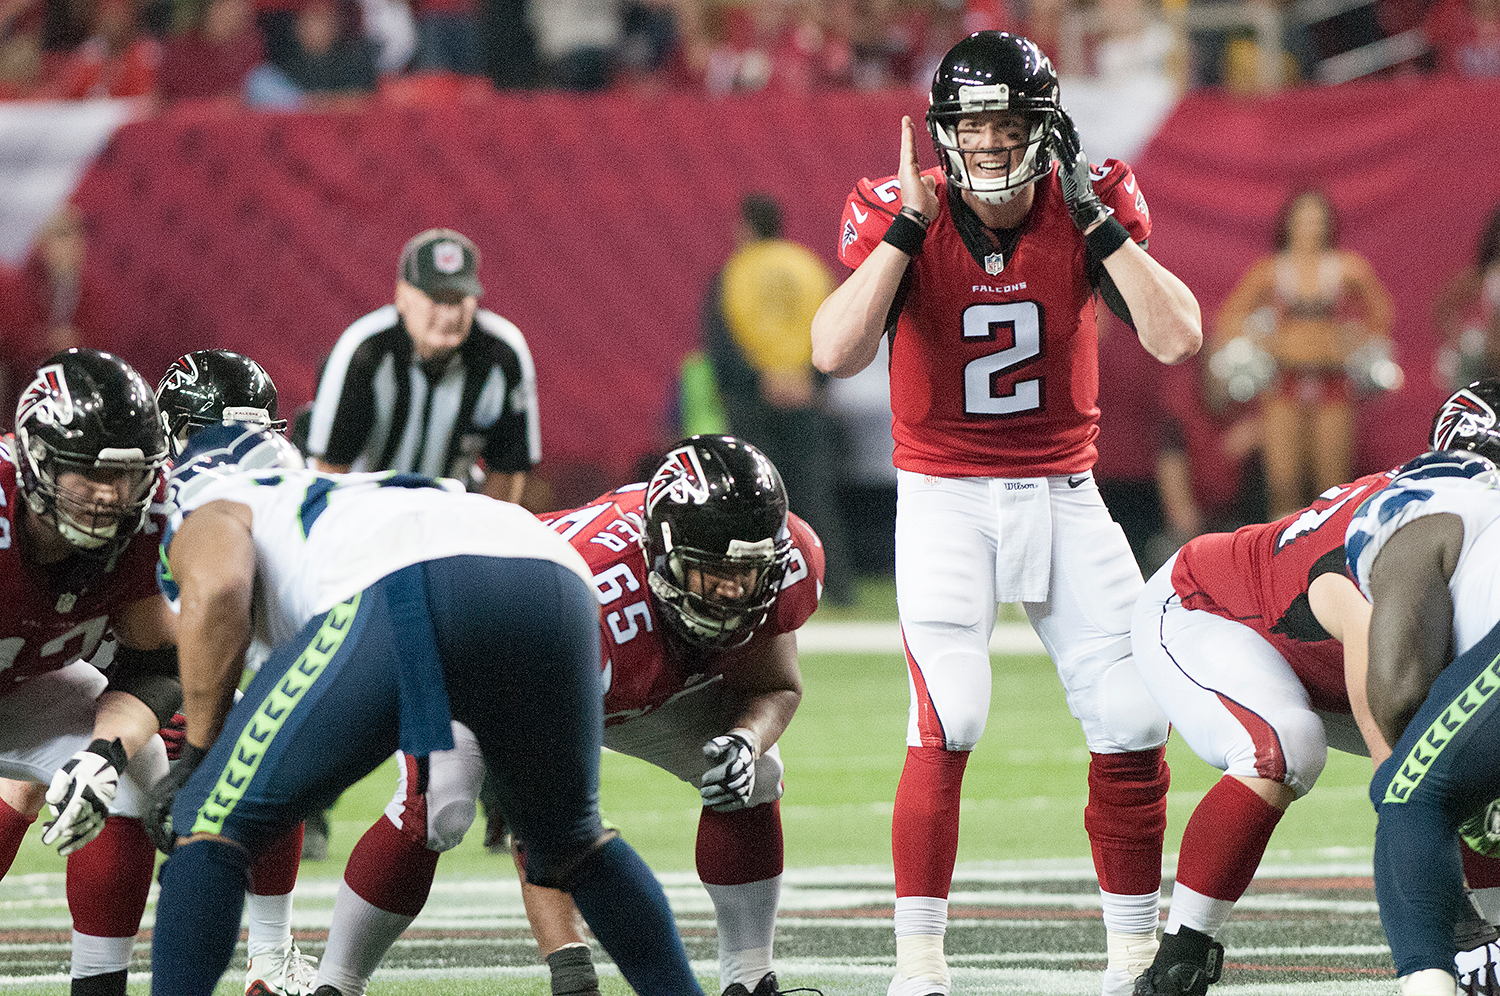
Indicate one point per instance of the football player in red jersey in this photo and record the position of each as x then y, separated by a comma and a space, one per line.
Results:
703, 579
1255, 645
983, 274
77, 563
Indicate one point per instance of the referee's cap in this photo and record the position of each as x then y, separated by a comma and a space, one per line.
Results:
441, 261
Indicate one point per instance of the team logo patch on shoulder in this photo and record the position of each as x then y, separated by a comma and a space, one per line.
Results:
850, 234
46, 398
183, 371
680, 479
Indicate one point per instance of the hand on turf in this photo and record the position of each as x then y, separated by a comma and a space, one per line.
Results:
1084, 205
917, 191
159, 800
730, 779
80, 794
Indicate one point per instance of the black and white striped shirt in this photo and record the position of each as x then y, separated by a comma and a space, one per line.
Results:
380, 408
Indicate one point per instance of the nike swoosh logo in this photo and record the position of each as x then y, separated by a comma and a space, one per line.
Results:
1073, 482
1130, 185
859, 215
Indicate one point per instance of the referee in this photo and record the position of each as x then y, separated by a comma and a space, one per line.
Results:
432, 384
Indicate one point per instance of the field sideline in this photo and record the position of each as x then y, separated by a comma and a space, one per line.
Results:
1025, 906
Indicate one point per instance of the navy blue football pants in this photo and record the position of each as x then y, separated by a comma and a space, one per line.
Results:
1441, 772
516, 641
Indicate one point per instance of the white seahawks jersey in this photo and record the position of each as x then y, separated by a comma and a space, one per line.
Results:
1476, 501
322, 538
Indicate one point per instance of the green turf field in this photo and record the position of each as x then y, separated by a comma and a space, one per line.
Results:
1025, 908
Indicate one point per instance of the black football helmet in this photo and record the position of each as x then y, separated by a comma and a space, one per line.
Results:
994, 71
89, 412
716, 521
209, 386
1468, 420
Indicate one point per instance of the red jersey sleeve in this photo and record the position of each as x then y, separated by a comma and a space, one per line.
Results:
803, 584
868, 213
1115, 183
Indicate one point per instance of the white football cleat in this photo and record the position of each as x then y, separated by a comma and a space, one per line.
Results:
285, 971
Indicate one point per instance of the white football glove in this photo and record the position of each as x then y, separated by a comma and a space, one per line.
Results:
80, 795
730, 779
1476, 968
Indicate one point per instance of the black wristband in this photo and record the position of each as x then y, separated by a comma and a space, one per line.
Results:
112, 751
906, 235
1104, 240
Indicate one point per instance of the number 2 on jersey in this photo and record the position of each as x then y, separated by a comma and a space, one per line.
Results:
983, 321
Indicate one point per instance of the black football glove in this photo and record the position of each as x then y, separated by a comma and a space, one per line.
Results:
158, 815
1084, 204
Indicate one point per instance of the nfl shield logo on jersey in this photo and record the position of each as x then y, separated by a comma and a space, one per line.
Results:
680, 478
994, 263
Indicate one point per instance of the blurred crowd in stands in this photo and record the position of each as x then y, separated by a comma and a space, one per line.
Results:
288, 53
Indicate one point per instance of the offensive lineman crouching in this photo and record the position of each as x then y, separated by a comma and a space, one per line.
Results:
703, 578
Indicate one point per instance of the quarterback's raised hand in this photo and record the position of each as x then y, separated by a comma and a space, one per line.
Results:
159, 800
730, 779
1084, 205
80, 794
918, 192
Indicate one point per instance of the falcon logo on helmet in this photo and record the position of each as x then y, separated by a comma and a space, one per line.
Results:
1467, 420
183, 371
46, 398
680, 479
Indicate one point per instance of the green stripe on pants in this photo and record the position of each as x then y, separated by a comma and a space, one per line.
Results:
271, 714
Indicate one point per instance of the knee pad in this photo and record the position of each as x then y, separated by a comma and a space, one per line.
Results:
1304, 743
1128, 717
950, 694
448, 821
768, 772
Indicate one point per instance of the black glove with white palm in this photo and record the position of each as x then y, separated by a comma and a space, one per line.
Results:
730, 780
1084, 204
80, 794
159, 800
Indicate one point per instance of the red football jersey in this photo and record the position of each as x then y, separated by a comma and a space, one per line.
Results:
995, 368
642, 670
1259, 575
45, 622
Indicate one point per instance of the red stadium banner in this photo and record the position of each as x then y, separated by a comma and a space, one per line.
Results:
602, 219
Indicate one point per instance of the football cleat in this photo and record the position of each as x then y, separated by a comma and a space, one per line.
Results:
285, 971
1186, 964
765, 987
